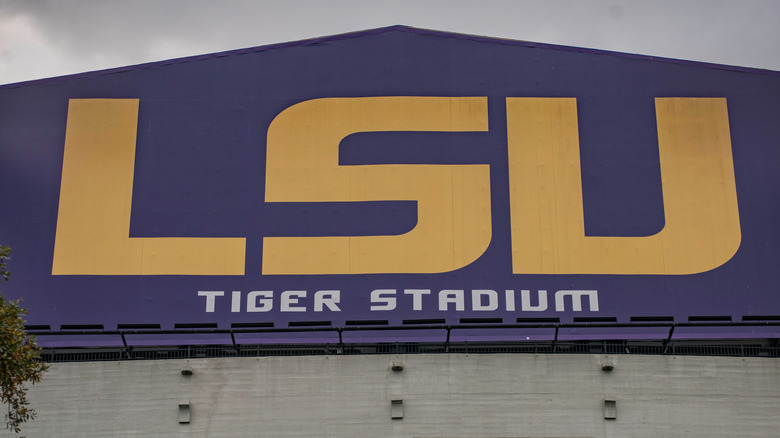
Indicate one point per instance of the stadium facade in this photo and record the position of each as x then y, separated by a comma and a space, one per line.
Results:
399, 232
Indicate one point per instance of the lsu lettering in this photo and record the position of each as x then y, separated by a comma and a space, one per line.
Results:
453, 230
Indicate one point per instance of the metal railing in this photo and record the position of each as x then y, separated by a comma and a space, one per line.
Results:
746, 346
534, 347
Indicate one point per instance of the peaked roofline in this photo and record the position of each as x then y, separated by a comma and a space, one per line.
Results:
380, 30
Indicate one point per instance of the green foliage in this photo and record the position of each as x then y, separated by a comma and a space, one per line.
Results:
19, 356
5, 254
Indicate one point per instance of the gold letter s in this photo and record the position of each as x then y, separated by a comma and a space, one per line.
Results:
453, 201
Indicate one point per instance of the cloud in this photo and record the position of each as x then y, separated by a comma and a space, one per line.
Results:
41, 38
22, 45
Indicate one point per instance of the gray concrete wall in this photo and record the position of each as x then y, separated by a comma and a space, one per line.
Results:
446, 395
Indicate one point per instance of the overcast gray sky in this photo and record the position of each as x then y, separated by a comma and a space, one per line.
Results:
45, 38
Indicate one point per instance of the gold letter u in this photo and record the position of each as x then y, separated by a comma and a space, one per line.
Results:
702, 228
